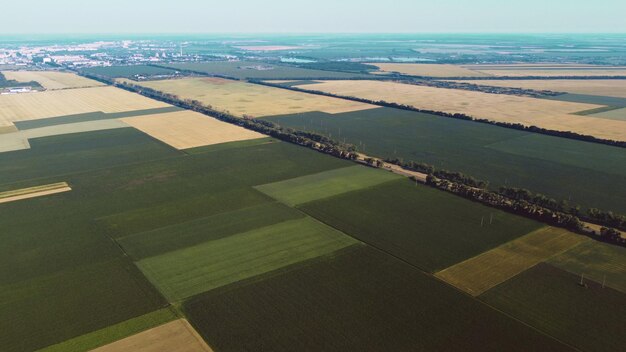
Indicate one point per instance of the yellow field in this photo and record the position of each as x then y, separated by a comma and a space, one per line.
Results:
605, 87
31, 106
254, 100
550, 114
175, 336
478, 274
188, 129
547, 70
428, 70
32, 192
52, 79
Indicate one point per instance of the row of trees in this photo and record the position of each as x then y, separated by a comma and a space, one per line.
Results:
605, 218
308, 139
516, 126
519, 201
482, 88
523, 207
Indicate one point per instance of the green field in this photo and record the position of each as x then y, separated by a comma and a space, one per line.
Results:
615, 114
165, 239
193, 270
590, 318
588, 174
423, 226
73, 153
62, 275
128, 71
597, 261
46, 310
590, 99
326, 184
114, 332
250, 70
360, 300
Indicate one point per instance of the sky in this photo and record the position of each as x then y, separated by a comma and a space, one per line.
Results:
312, 16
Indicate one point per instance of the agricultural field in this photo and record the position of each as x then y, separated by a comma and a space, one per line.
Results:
601, 262
549, 114
113, 173
113, 333
428, 70
615, 114
360, 299
175, 336
32, 192
489, 269
557, 167
31, 106
241, 98
130, 71
91, 116
193, 270
20, 139
547, 70
165, 239
52, 80
187, 129
418, 224
326, 184
601, 87
260, 70
589, 317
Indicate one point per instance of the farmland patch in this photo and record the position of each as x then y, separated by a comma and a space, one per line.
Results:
545, 113
601, 262
187, 129
326, 184
423, 226
480, 273
190, 271
360, 300
254, 100
590, 318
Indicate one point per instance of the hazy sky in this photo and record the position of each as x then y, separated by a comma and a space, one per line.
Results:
317, 16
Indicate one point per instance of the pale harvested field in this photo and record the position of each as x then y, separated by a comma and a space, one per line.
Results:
241, 98
175, 336
428, 70
478, 274
31, 106
547, 72
188, 129
549, 114
603, 87
33, 192
52, 79
18, 140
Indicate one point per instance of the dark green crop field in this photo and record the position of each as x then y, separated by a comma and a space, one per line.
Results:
359, 300
129, 71
50, 309
590, 318
80, 152
147, 244
423, 226
63, 276
261, 70
588, 174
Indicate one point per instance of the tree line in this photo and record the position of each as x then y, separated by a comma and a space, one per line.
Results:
518, 201
524, 208
460, 116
